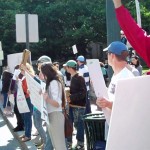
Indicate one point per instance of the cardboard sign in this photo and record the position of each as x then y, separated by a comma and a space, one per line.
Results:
130, 121
98, 83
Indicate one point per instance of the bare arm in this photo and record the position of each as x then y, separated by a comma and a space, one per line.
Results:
117, 3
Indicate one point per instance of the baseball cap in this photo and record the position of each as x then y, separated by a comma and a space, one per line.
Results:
81, 58
44, 58
116, 47
64, 65
71, 63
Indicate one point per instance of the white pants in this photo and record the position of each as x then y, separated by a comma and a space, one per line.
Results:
56, 130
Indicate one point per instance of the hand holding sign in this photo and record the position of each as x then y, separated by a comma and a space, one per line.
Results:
25, 56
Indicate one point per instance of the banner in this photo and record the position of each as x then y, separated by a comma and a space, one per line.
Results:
21, 100
34, 88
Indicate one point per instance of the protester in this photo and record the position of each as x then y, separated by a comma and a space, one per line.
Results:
6, 81
45, 142
27, 117
136, 36
77, 102
55, 99
56, 65
123, 38
136, 63
83, 70
13, 89
117, 54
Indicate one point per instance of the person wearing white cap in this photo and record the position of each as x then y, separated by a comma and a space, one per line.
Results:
45, 141
117, 55
83, 70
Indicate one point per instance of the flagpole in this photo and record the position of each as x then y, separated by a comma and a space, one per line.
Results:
138, 13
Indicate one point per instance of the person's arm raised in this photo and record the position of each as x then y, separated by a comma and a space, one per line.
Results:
117, 3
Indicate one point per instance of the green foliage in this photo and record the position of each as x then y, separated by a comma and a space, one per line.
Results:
61, 24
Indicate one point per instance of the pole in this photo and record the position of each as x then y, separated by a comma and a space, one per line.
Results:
113, 29
27, 31
138, 13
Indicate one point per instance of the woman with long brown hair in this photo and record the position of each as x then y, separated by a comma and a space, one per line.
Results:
55, 99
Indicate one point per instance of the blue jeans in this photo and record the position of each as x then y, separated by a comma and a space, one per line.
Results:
48, 145
27, 117
38, 124
6, 101
88, 105
78, 123
69, 139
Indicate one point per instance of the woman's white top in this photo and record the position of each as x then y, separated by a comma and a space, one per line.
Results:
55, 93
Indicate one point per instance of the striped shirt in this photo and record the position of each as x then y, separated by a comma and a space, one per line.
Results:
83, 70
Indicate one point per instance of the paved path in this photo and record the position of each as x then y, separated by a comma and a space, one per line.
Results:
7, 140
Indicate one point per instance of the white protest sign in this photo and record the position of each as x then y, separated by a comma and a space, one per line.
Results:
14, 60
21, 100
74, 49
34, 88
98, 82
44, 114
130, 121
16, 74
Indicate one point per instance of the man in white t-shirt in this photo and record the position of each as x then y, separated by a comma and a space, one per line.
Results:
117, 54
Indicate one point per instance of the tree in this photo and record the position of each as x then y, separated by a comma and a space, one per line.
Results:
61, 25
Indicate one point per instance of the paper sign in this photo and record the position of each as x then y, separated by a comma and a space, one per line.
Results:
34, 88
16, 74
98, 82
14, 60
44, 114
21, 100
130, 121
74, 49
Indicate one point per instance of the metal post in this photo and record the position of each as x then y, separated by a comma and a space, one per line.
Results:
27, 31
113, 29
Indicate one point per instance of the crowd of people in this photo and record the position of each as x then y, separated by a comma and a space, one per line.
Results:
75, 75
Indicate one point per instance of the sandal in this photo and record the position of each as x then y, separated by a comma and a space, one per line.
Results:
25, 139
